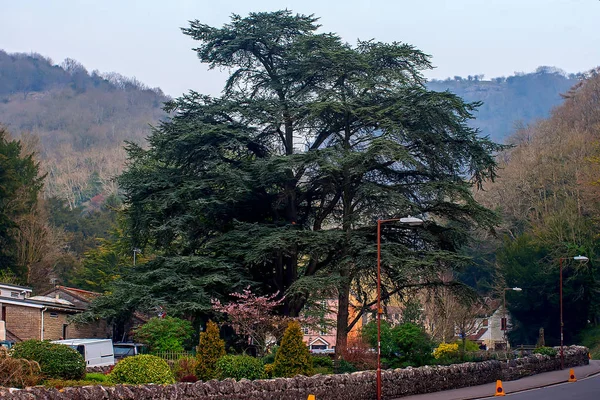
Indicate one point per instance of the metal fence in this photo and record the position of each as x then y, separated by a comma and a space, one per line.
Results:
173, 355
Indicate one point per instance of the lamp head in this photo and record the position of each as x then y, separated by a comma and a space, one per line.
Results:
581, 259
412, 221
517, 289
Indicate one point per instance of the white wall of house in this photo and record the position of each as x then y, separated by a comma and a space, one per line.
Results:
14, 292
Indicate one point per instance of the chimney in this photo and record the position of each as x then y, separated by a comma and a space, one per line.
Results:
57, 296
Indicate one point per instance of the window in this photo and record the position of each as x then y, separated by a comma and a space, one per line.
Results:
14, 295
318, 347
323, 331
53, 315
305, 331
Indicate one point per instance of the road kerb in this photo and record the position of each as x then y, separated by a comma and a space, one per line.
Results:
533, 387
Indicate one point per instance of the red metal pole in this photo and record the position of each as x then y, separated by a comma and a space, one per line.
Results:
562, 358
379, 310
505, 321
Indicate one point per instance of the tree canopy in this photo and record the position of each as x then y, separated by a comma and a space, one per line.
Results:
280, 180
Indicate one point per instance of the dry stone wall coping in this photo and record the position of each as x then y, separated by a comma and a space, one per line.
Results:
355, 386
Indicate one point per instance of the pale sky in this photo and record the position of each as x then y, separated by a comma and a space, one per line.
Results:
142, 38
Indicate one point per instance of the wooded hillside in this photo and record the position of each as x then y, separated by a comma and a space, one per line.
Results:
82, 120
549, 196
510, 102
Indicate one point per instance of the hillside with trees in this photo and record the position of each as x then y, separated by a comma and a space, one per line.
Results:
548, 194
510, 102
81, 120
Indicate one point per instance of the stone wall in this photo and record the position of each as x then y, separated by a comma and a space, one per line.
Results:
356, 386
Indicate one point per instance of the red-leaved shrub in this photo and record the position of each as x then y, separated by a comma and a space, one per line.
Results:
360, 355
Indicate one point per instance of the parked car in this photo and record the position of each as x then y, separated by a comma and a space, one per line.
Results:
95, 352
123, 350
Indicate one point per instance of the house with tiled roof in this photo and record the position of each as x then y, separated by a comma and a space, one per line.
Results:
46, 316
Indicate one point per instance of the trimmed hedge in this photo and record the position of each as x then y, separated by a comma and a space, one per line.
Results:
240, 367
57, 361
141, 369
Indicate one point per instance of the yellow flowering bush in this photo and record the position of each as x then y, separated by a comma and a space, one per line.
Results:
446, 351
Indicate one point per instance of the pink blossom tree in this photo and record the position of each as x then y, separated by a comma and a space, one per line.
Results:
254, 316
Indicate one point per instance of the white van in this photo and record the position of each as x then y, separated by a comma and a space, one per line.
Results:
95, 352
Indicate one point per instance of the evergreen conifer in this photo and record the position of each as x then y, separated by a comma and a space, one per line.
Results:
210, 348
293, 357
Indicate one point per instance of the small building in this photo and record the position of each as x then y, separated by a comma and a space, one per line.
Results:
45, 317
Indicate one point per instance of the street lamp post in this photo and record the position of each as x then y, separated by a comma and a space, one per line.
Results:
411, 221
582, 260
516, 289
135, 252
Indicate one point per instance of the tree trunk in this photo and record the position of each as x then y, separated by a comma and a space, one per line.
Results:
341, 338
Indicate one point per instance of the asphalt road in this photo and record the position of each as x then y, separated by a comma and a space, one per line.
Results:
588, 389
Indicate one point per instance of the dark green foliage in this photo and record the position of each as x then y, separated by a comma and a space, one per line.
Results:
20, 184
546, 351
322, 365
529, 264
402, 345
270, 357
164, 334
210, 349
344, 367
240, 367
142, 369
322, 361
293, 357
223, 185
590, 338
56, 360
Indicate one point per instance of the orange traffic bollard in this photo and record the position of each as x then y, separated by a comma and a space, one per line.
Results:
572, 376
311, 397
499, 389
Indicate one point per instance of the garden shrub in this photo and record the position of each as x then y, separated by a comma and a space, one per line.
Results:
185, 366
240, 367
322, 365
56, 361
269, 370
188, 378
323, 370
469, 345
18, 372
322, 361
142, 369
446, 351
401, 345
164, 334
293, 357
210, 348
344, 367
96, 377
546, 351
269, 358
360, 354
